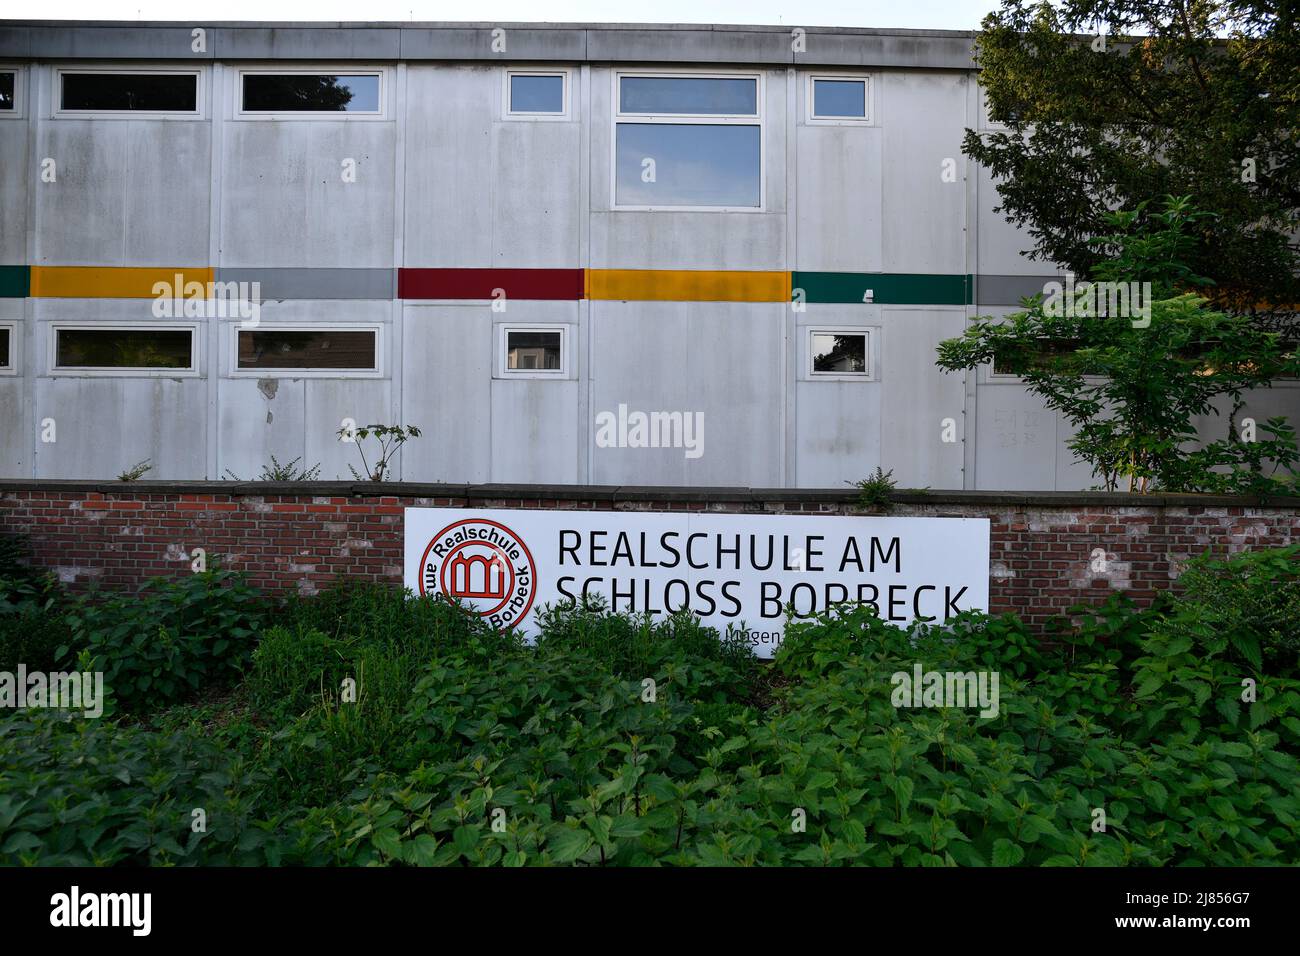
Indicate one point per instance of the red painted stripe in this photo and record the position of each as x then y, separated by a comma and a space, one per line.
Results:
481, 283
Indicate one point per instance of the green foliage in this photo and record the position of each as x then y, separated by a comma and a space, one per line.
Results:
173, 635
1109, 103
278, 472
1132, 388
618, 740
136, 471
875, 491
390, 439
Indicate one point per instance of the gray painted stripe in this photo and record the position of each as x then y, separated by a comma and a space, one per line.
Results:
316, 283
653, 43
1008, 290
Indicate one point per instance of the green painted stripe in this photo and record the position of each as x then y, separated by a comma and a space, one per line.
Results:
14, 282
886, 288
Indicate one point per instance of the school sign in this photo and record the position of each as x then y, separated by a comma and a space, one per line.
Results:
737, 573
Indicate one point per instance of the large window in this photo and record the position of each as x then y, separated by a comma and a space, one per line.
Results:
124, 350
303, 92
307, 350
120, 91
684, 141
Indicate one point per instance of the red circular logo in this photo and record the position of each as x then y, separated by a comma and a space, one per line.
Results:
484, 564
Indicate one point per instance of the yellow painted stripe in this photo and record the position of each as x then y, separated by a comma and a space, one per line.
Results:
671, 285
94, 282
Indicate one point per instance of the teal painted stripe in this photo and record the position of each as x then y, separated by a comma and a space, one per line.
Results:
15, 282
887, 288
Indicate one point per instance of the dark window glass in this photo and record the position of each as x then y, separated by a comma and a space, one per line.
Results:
1043, 352
160, 92
4, 348
311, 92
533, 351
6, 90
847, 98
123, 348
689, 94
692, 165
314, 349
839, 353
537, 94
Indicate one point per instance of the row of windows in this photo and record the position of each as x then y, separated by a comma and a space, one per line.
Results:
681, 141
526, 351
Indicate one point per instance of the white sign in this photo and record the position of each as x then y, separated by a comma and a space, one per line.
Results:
736, 572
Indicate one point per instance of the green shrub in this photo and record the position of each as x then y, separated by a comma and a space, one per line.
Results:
33, 625
168, 639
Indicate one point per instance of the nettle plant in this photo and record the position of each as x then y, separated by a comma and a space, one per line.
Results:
1132, 386
390, 439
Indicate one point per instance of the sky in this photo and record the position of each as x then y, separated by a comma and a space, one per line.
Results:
924, 14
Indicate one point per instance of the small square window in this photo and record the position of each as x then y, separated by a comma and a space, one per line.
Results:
839, 353
839, 98
8, 86
536, 94
534, 351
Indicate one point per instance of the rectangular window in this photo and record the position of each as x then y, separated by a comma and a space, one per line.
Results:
536, 94
533, 351
688, 142
308, 349
839, 98
838, 353
8, 89
6, 348
123, 349
118, 91
311, 93
1045, 350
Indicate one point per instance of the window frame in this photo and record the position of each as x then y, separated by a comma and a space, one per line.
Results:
566, 76
200, 93
869, 354
759, 119
504, 371
195, 369
232, 343
384, 73
11, 326
20, 90
811, 117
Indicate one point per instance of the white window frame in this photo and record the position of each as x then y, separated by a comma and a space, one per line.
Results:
566, 76
193, 371
869, 355
503, 351
234, 371
11, 326
868, 90
200, 94
20, 91
759, 119
384, 73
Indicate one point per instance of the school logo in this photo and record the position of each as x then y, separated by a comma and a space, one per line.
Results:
485, 564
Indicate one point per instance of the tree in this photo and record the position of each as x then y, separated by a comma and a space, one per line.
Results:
1132, 379
1110, 102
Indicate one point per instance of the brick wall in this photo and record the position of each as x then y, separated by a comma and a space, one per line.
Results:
300, 536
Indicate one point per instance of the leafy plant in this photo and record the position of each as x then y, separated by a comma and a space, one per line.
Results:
136, 471
875, 491
390, 439
278, 472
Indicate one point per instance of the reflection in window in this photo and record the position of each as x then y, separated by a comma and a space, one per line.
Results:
670, 164
1041, 353
151, 92
123, 348
840, 353
307, 349
533, 351
840, 99
311, 93
536, 94
691, 95
7, 90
